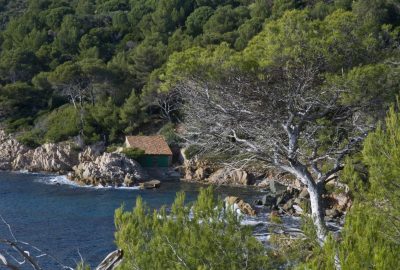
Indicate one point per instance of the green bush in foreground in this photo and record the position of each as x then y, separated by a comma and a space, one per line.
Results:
370, 238
198, 237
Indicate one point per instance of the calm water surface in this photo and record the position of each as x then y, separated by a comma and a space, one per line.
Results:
65, 219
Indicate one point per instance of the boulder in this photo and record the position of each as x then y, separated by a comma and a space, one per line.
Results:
10, 149
50, 157
226, 176
263, 184
195, 170
288, 205
277, 188
342, 201
91, 152
129, 180
239, 204
298, 210
150, 184
304, 194
268, 200
200, 173
333, 213
109, 169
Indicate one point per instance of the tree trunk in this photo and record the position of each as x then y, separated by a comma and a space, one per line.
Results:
317, 212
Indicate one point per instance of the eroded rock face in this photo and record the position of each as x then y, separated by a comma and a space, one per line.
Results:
52, 157
91, 152
227, 176
90, 166
109, 169
195, 170
201, 171
10, 148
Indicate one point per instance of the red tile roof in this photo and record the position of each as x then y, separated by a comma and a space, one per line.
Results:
152, 145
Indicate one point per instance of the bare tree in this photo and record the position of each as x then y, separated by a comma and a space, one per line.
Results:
78, 91
169, 104
290, 119
26, 253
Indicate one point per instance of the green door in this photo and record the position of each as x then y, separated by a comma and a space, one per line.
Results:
163, 161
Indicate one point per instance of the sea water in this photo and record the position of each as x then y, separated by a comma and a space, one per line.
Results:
68, 221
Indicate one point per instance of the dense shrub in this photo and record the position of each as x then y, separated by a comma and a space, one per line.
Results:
62, 124
133, 153
192, 151
30, 139
196, 236
168, 131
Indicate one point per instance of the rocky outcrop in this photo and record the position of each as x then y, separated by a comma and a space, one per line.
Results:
201, 171
90, 166
109, 169
150, 184
196, 170
49, 157
10, 149
239, 205
227, 176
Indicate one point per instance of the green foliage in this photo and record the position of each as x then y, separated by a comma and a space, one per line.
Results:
20, 100
209, 238
30, 139
370, 238
105, 49
192, 151
197, 19
61, 124
131, 113
222, 25
133, 153
170, 135
367, 81
86, 51
104, 120
82, 266
112, 148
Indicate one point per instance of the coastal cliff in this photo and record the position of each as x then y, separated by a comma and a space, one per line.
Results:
89, 166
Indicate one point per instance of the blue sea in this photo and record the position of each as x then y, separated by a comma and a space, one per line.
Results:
67, 221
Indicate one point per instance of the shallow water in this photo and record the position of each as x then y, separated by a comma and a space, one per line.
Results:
65, 220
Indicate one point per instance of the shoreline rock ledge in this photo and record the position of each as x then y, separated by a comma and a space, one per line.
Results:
108, 169
89, 166
50, 157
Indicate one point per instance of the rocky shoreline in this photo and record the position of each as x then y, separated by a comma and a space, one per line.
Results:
93, 166
88, 166
283, 194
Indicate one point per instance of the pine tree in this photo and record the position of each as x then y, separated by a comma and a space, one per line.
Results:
203, 236
370, 238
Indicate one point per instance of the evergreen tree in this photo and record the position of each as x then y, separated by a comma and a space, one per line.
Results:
370, 238
201, 236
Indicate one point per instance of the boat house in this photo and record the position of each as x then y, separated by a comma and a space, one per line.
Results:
156, 150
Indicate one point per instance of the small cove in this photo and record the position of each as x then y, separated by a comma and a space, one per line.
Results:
66, 219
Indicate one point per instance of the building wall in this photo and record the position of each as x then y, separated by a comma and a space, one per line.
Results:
155, 161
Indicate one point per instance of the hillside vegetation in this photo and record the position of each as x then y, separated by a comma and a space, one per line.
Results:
94, 68
303, 85
89, 67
